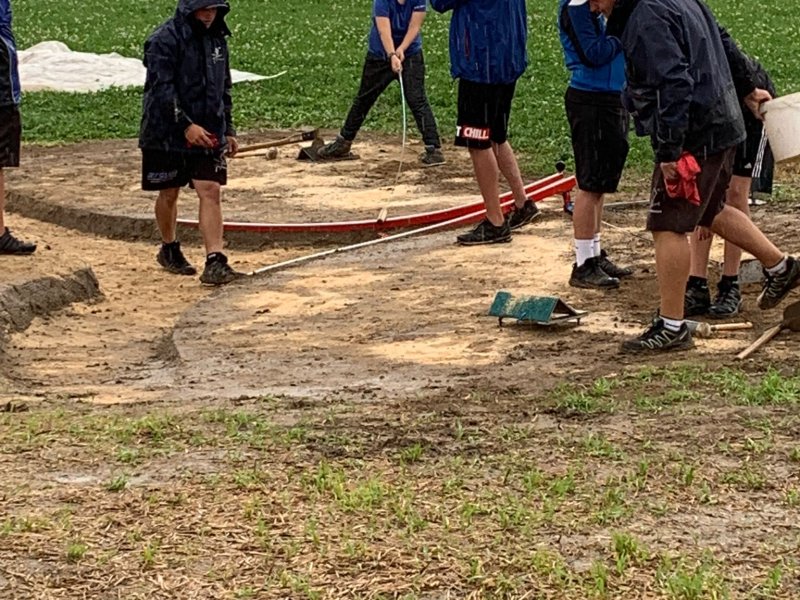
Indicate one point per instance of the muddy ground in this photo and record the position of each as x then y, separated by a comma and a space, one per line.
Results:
310, 420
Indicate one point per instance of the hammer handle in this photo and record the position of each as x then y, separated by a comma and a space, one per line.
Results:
302, 136
731, 326
765, 337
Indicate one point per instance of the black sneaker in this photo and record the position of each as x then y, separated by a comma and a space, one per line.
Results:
611, 269
338, 148
432, 157
776, 287
218, 272
11, 245
486, 233
728, 300
590, 275
518, 217
697, 298
657, 338
172, 259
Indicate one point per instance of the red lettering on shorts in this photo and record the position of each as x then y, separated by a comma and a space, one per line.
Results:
473, 133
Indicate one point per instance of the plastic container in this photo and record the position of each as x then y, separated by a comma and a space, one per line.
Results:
782, 120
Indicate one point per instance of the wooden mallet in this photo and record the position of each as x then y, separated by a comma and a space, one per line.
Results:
791, 320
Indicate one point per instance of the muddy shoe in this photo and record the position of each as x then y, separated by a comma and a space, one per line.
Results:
218, 272
612, 270
728, 300
657, 338
590, 275
338, 148
486, 233
776, 287
432, 157
11, 245
518, 217
172, 259
697, 298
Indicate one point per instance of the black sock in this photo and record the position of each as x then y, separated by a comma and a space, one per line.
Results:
697, 282
729, 281
216, 257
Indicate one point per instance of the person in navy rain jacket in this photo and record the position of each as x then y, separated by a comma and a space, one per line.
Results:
10, 124
488, 54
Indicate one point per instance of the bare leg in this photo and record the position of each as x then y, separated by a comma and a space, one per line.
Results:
701, 250
673, 258
507, 163
736, 227
486, 173
587, 214
210, 214
167, 213
738, 195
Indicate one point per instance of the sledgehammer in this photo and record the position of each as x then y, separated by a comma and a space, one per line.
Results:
706, 330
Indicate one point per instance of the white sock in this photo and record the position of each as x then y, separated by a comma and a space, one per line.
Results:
584, 250
596, 244
672, 324
779, 268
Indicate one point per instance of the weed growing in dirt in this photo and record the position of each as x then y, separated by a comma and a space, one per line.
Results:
76, 551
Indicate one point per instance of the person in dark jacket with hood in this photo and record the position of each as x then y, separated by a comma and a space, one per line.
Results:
488, 54
187, 129
685, 78
10, 124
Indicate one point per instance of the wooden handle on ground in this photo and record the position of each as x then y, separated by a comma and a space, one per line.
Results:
731, 326
765, 337
302, 136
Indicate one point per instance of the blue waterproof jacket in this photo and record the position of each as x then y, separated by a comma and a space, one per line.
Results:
685, 77
594, 59
188, 80
10, 90
488, 39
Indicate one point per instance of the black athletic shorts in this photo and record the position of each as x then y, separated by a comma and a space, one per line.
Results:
163, 170
483, 113
754, 156
599, 127
681, 216
10, 134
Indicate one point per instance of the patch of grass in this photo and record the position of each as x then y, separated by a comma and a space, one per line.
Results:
746, 478
573, 399
76, 551
681, 580
118, 483
149, 554
771, 389
627, 552
412, 454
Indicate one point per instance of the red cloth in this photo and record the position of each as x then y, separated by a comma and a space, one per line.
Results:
686, 186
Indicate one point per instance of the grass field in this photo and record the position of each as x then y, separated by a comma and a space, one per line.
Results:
322, 43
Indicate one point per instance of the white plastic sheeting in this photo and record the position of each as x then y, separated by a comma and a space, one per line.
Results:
53, 66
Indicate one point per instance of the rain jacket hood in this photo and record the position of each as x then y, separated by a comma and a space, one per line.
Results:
685, 76
188, 80
10, 90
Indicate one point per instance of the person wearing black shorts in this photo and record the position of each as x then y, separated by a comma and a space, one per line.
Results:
187, 129
487, 55
685, 80
599, 130
10, 128
752, 170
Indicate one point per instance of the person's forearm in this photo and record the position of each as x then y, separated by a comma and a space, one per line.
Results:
414, 27
385, 32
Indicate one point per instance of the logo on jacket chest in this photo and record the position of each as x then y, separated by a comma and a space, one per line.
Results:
217, 55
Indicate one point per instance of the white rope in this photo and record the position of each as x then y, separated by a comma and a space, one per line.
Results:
405, 129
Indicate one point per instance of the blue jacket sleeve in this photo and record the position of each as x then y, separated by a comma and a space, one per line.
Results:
662, 68
445, 5
161, 61
587, 35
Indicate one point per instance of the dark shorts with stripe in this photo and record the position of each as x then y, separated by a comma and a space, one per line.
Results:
678, 214
10, 135
162, 170
599, 127
483, 113
754, 156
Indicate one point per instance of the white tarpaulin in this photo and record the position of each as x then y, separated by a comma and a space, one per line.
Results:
53, 66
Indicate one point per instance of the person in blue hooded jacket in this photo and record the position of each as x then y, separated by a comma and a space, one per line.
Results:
187, 129
488, 54
599, 130
10, 124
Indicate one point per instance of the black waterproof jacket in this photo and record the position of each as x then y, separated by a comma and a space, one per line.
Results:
188, 80
685, 76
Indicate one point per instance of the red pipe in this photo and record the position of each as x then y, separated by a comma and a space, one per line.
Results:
536, 191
